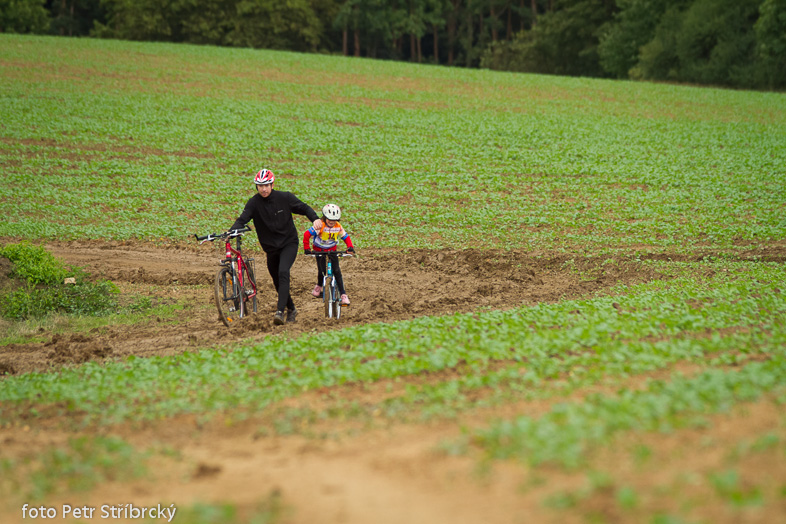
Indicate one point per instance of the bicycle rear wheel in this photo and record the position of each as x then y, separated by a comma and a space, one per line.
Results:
249, 287
227, 295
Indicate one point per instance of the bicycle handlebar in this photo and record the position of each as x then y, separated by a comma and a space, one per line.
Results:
232, 233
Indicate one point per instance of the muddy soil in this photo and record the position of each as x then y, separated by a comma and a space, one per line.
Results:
383, 286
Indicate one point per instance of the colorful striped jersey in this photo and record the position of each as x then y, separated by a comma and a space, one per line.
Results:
326, 239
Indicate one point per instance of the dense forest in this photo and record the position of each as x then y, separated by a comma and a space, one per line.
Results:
735, 43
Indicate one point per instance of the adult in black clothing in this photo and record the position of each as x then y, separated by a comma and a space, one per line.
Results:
271, 212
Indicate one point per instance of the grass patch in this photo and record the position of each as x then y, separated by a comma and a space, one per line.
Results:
35, 265
81, 464
51, 286
569, 431
269, 510
42, 328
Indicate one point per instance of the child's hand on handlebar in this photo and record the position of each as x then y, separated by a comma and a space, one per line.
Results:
307, 252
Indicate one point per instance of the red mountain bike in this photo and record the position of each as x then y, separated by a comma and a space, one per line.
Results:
236, 286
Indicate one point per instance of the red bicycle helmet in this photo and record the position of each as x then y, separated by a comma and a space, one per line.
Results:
264, 177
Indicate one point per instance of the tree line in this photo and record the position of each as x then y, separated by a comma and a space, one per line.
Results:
735, 43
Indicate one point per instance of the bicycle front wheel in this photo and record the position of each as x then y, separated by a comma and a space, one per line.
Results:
336, 300
227, 294
249, 287
327, 295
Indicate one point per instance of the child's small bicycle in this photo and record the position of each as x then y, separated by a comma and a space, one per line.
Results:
236, 287
330, 292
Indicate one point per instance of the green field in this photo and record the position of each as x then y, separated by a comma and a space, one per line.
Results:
151, 143
160, 141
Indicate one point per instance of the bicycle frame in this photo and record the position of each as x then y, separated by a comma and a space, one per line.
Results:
235, 288
234, 258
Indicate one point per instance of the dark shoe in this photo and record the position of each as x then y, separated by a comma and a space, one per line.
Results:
278, 318
291, 316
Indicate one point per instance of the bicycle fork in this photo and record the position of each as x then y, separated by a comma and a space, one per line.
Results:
329, 277
235, 300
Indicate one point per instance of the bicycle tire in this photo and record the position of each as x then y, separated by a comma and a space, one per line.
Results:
249, 284
336, 302
327, 296
226, 293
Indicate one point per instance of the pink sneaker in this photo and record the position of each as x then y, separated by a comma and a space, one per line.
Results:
317, 291
344, 300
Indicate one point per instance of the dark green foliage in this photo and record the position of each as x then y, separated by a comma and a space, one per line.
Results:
139, 20
83, 298
658, 58
276, 24
206, 22
718, 42
273, 24
23, 16
75, 18
632, 27
771, 44
564, 42
34, 264
374, 21
194, 21
45, 291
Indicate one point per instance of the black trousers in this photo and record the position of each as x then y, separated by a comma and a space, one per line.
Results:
322, 269
279, 262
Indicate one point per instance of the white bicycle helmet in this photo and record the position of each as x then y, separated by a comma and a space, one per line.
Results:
331, 212
264, 177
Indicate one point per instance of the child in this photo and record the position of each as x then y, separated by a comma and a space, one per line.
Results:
326, 240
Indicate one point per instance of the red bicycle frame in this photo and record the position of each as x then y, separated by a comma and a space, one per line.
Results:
234, 256
232, 297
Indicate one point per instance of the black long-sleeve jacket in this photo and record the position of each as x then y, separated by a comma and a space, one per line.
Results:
272, 218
